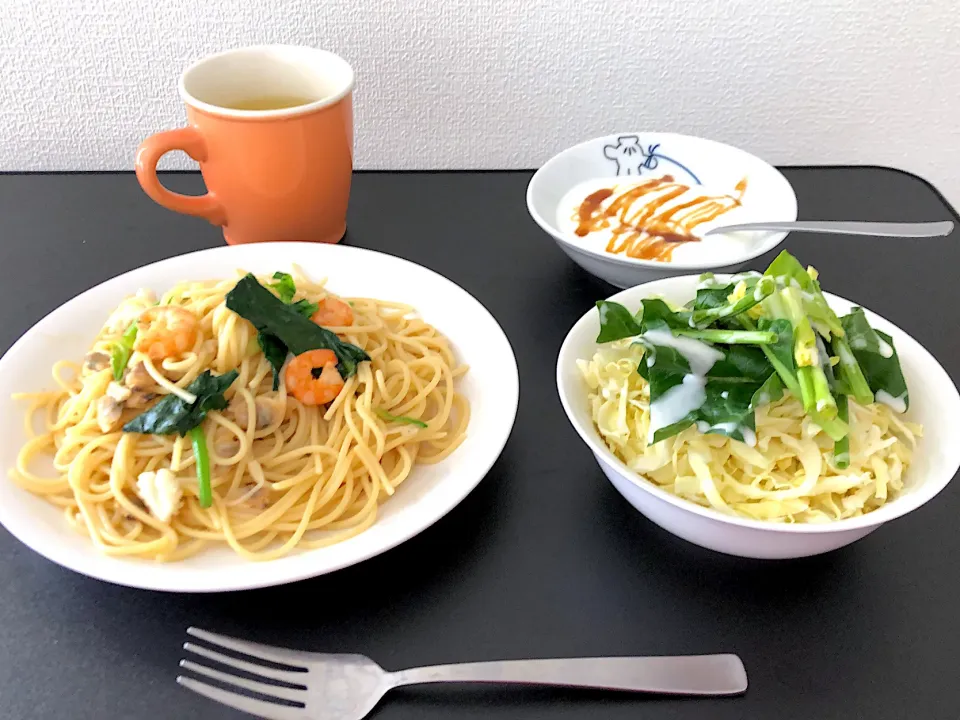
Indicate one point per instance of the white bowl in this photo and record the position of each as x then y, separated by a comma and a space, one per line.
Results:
934, 403
692, 160
431, 491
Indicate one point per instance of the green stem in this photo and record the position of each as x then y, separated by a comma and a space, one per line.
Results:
202, 457
826, 405
852, 373
763, 289
403, 419
122, 350
808, 393
841, 447
835, 429
730, 337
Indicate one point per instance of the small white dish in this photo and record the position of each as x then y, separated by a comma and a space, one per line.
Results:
558, 187
934, 403
431, 491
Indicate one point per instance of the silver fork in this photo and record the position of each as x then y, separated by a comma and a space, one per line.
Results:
347, 687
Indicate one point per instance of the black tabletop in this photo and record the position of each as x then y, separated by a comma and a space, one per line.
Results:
544, 558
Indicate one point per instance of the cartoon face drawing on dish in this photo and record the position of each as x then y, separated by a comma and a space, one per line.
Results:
629, 155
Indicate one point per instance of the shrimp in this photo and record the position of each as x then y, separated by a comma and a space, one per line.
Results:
333, 312
166, 331
312, 377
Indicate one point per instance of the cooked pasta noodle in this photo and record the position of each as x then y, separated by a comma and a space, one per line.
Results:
284, 474
788, 475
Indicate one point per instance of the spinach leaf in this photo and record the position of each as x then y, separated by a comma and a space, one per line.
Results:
174, 415
286, 289
664, 368
728, 409
305, 307
272, 316
743, 364
273, 348
786, 267
788, 270
770, 391
275, 352
616, 322
284, 286
655, 314
712, 297
876, 355
782, 349
731, 385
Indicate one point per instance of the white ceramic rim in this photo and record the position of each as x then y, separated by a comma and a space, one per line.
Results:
174, 577
894, 509
320, 56
774, 240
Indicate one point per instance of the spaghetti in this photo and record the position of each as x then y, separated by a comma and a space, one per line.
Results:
284, 474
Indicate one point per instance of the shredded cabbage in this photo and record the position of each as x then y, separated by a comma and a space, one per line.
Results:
789, 476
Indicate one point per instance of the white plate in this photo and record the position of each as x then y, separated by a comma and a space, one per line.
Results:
491, 385
934, 403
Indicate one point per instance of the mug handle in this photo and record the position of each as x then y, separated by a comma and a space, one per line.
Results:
149, 153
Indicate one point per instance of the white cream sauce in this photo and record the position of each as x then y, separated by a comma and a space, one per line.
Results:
687, 396
897, 404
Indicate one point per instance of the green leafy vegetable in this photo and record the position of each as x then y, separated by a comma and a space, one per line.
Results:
175, 415
616, 322
655, 314
275, 352
284, 286
273, 348
769, 392
876, 356
708, 307
200, 454
305, 307
122, 350
403, 419
780, 352
711, 298
284, 323
740, 363
740, 344
287, 289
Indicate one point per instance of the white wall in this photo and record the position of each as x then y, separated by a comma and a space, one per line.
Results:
496, 84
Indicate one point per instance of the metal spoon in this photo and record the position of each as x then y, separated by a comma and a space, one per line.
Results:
878, 229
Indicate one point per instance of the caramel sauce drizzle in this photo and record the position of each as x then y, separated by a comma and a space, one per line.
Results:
642, 228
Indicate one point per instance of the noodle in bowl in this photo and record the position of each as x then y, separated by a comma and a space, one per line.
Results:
675, 493
311, 487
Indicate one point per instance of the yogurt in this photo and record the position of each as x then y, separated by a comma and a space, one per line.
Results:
655, 218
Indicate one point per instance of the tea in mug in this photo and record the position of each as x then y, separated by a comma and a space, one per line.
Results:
269, 102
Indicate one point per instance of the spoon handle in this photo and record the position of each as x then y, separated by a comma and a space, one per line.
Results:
684, 675
877, 229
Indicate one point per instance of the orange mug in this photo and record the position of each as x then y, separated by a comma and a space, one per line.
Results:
272, 129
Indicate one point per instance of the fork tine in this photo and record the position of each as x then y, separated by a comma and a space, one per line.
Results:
269, 653
267, 710
252, 685
288, 676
